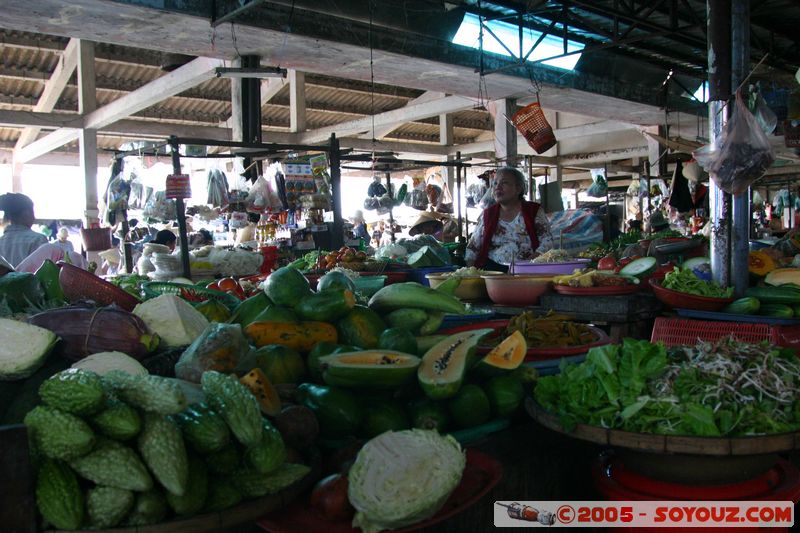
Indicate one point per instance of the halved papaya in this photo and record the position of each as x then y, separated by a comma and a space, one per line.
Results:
262, 389
443, 367
504, 357
374, 369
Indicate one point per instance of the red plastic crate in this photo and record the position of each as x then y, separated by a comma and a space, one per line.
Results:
683, 331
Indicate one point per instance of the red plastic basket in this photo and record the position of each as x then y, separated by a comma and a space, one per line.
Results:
787, 337
532, 124
682, 331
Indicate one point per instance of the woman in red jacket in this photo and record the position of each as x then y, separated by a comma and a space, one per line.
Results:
513, 229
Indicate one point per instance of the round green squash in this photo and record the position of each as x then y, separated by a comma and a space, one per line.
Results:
470, 407
287, 286
361, 327
335, 280
400, 340
280, 364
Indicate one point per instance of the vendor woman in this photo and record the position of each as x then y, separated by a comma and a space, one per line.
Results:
512, 229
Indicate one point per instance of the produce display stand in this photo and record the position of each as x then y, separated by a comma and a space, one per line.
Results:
626, 315
255, 151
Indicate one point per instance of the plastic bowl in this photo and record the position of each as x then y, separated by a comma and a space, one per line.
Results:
568, 267
79, 284
517, 290
470, 288
369, 285
685, 300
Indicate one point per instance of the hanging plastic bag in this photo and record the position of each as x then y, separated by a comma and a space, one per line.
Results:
217, 186
742, 153
765, 117
599, 187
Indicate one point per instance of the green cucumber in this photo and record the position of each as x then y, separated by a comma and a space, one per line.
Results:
774, 295
640, 267
776, 310
743, 306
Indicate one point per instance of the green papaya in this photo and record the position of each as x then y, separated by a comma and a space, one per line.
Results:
327, 305
338, 411
247, 311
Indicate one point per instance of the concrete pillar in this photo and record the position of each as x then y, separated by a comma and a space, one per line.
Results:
16, 176
740, 228
446, 139
87, 142
297, 101
505, 133
719, 81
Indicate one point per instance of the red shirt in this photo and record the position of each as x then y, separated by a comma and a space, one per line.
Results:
491, 218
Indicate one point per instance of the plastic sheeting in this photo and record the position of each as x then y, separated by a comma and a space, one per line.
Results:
575, 229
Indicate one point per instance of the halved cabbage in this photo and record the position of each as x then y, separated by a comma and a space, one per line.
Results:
403, 477
173, 319
104, 362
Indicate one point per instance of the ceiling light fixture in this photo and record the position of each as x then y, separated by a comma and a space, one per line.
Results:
259, 72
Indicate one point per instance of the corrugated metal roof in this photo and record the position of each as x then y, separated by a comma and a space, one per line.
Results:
27, 61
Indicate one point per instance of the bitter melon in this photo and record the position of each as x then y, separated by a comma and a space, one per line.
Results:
236, 404
163, 451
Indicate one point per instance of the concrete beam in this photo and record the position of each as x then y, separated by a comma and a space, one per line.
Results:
16, 119
427, 96
52, 90
587, 160
185, 77
449, 104
269, 88
191, 74
317, 44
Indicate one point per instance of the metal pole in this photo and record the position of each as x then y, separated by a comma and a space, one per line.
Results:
740, 230
337, 235
646, 216
529, 160
181, 211
544, 194
719, 81
391, 215
459, 170
608, 206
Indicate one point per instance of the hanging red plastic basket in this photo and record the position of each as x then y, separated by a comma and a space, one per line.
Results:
532, 124
96, 239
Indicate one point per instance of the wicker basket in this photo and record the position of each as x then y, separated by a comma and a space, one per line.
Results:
532, 124
96, 239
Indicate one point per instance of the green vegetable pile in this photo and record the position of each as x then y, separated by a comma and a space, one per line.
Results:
684, 280
309, 260
712, 389
130, 283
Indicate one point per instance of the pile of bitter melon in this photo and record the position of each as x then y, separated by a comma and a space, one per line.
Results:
135, 450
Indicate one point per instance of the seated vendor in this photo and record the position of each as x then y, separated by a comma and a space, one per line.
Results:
167, 238
512, 229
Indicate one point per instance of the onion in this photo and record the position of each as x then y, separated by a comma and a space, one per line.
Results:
329, 497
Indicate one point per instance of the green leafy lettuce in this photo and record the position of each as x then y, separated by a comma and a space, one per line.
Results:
719, 389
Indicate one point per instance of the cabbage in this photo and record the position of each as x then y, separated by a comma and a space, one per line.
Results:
173, 319
401, 478
104, 362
